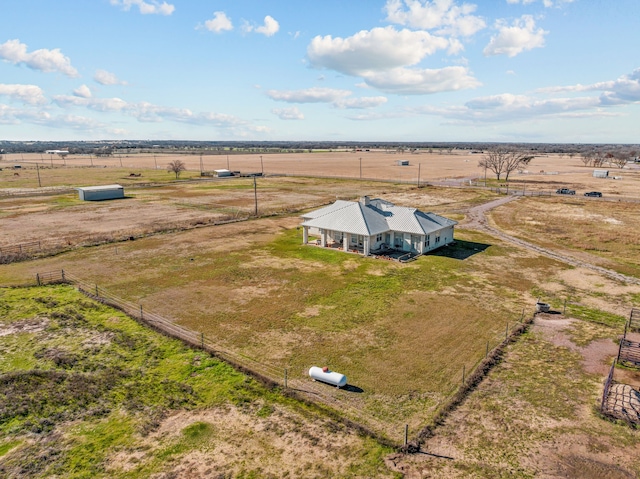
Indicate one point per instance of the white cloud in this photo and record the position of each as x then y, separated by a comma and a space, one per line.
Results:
219, 23
360, 103
288, 113
546, 3
269, 28
107, 78
373, 50
151, 7
336, 98
15, 116
512, 40
96, 104
83, 91
625, 89
43, 60
444, 15
28, 94
310, 95
148, 112
420, 82
509, 107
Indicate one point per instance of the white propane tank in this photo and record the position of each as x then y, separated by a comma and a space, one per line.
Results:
329, 377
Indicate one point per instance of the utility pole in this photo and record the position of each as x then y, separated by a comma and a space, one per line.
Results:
227, 162
360, 168
38, 171
201, 167
261, 166
154, 160
419, 165
255, 194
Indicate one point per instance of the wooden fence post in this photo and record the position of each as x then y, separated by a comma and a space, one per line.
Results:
406, 434
141, 314
63, 275
97, 295
285, 378
463, 373
38, 278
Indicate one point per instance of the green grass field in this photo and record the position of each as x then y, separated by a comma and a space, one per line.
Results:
86, 392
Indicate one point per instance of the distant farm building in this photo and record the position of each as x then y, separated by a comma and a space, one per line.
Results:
376, 226
222, 173
403, 162
600, 173
100, 193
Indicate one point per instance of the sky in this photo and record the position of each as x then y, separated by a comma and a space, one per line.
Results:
539, 71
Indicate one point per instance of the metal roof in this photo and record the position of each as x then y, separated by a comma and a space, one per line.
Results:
374, 217
100, 188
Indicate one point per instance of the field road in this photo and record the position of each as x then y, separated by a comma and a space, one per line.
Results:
477, 220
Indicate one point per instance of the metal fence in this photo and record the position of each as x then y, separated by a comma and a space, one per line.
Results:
21, 248
619, 400
276, 376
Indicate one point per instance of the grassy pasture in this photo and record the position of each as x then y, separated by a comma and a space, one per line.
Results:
401, 333
88, 392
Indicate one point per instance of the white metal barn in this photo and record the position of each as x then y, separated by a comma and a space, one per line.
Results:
600, 173
222, 173
375, 225
100, 193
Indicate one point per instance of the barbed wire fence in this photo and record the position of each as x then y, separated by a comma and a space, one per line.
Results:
339, 408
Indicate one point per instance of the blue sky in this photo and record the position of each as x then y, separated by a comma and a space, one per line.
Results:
352, 70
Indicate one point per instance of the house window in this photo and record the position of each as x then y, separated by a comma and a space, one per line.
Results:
378, 238
427, 241
437, 238
354, 239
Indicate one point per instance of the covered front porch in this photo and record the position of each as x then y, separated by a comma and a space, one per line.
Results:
348, 242
390, 244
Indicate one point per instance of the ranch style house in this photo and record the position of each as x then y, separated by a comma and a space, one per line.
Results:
372, 226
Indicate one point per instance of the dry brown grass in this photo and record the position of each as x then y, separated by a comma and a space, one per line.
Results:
606, 232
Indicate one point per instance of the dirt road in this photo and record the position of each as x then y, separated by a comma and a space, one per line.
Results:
476, 219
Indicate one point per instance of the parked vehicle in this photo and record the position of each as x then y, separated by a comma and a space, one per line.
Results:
565, 191
593, 193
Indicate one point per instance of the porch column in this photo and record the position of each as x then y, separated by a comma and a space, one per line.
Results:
366, 245
392, 241
323, 238
345, 242
305, 235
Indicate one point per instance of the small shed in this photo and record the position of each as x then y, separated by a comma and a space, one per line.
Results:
222, 173
403, 162
99, 193
600, 173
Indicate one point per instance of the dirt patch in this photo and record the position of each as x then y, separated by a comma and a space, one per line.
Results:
281, 444
32, 325
596, 355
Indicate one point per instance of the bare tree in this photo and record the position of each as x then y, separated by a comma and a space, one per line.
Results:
177, 167
504, 161
619, 159
587, 158
599, 157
